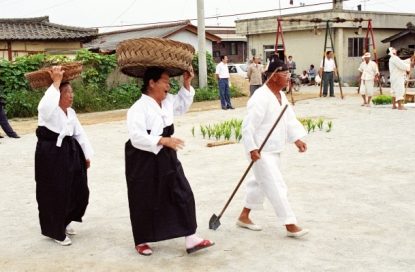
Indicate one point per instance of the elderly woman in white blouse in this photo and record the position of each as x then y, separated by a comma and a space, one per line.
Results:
161, 201
61, 162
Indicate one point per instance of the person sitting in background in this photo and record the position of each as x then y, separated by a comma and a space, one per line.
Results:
304, 77
311, 74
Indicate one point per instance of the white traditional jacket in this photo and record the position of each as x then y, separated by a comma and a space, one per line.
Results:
54, 118
146, 114
263, 110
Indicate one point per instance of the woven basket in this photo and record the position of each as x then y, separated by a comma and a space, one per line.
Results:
41, 78
136, 55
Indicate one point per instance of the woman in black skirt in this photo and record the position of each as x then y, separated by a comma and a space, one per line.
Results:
161, 201
61, 162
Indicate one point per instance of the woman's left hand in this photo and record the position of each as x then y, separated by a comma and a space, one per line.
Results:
88, 163
187, 78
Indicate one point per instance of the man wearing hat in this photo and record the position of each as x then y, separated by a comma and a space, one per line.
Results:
369, 73
263, 110
398, 69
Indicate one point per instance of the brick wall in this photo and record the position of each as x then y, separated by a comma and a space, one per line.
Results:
220, 49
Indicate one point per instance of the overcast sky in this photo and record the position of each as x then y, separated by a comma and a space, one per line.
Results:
103, 13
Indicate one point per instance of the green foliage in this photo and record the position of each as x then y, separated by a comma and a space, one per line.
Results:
210, 63
354, 84
23, 103
382, 100
330, 126
311, 124
91, 94
12, 72
96, 67
320, 123
225, 129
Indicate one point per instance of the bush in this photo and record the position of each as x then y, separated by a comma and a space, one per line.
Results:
382, 100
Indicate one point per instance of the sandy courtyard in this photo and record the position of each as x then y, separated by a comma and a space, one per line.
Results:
353, 188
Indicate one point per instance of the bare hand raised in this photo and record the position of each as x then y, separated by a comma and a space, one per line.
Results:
56, 75
187, 78
173, 143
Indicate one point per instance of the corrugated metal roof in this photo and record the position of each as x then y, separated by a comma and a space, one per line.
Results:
108, 41
40, 28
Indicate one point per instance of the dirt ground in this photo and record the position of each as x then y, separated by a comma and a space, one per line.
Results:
27, 125
353, 189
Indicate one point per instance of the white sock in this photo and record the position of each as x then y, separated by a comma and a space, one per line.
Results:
146, 251
192, 241
68, 227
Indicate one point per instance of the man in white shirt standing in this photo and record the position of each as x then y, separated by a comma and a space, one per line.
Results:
369, 73
254, 75
398, 69
222, 76
329, 69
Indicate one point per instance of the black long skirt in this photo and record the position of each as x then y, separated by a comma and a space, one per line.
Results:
61, 183
161, 201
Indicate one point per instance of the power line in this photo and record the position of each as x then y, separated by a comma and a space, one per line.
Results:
220, 16
123, 13
48, 8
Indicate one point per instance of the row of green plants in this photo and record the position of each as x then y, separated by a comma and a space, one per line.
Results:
312, 124
223, 129
382, 100
92, 94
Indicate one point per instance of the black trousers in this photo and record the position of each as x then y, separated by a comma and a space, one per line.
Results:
4, 123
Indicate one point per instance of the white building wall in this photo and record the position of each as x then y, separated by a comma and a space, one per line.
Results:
191, 38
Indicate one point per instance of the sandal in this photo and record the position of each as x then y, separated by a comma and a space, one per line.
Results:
141, 250
201, 245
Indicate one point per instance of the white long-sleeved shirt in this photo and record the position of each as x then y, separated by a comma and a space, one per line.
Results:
368, 70
146, 114
54, 118
263, 110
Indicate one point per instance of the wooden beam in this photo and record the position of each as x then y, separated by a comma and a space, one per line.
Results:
9, 48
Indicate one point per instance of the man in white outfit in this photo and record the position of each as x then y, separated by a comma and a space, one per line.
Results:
263, 109
398, 69
369, 74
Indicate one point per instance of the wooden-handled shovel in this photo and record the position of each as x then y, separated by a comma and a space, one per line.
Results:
214, 222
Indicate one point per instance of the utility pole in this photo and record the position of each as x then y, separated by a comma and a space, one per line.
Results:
202, 43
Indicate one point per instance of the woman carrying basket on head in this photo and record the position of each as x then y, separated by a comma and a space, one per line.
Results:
61, 162
161, 201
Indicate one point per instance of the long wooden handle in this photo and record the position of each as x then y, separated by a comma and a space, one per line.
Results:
252, 162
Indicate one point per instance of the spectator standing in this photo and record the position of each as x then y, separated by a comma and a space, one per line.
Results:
4, 123
398, 68
369, 73
254, 75
222, 76
326, 73
291, 65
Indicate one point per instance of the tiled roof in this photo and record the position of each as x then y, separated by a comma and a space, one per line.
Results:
399, 35
41, 29
108, 41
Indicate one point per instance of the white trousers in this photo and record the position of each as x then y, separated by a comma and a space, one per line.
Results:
397, 87
268, 182
366, 87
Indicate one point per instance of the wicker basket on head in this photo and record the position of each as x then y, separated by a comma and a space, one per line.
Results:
136, 55
41, 78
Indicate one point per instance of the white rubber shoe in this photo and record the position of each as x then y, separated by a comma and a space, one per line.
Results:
65, 242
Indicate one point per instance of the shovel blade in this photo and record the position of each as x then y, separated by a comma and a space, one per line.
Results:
214, 222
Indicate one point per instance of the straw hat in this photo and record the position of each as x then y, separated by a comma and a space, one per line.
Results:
41, 78
136, 55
